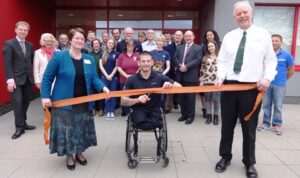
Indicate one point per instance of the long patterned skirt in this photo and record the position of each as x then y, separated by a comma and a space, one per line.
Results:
72, 131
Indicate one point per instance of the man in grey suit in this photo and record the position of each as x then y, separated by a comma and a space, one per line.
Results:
18, 56
187, 60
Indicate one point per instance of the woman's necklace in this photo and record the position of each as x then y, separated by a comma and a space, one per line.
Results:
75, 57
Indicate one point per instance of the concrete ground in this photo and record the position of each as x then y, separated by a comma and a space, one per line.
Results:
193, 150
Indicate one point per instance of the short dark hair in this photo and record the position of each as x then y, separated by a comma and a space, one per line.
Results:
74, 30
145, 53
278, 36
167, 32
115, 29
92, 43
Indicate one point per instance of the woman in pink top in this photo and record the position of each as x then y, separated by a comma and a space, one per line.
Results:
127, 65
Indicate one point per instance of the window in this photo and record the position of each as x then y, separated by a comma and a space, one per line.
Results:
277, 20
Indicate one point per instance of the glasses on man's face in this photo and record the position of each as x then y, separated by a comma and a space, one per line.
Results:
130, 45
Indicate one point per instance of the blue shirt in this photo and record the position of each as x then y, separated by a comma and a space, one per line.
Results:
111, 62
285, 60
159, 59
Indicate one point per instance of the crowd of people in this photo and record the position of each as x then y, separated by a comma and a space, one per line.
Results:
85, 65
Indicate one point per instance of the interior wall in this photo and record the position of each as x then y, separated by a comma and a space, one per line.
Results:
38, 15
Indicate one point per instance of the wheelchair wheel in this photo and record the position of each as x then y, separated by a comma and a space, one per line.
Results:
165, 134
166, 162
128, 137
132, 163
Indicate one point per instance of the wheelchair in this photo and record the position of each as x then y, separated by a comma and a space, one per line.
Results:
131, 145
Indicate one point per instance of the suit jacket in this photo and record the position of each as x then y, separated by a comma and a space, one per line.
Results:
61, 68
122, 44
17, 65
192, 62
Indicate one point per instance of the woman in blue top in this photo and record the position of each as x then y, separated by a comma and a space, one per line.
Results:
108, 68
161, 62
161, 58
72, 127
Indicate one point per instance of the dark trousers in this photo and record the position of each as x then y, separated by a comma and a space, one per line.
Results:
236, 104
187, 101
21, 98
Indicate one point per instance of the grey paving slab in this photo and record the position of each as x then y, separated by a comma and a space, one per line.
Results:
193, 150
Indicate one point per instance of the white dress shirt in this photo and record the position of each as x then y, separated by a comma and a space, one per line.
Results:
147, 46
259, 58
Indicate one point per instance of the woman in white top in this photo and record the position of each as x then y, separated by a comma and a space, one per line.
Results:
42, 57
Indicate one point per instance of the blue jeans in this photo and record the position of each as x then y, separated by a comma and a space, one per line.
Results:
110, 104
274, 95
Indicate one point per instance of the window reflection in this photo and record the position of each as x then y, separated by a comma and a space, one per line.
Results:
277, 20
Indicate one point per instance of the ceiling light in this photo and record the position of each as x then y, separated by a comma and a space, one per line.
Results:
179, 0
170, 15
71, 15
120, 15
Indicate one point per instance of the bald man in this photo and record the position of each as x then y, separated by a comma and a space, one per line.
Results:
187, 60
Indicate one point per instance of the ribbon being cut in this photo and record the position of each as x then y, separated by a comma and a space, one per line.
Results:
193, 89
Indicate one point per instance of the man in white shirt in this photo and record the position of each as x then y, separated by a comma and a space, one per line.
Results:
150, 44
246, 56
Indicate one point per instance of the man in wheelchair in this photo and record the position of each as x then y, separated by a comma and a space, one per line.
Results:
146, 113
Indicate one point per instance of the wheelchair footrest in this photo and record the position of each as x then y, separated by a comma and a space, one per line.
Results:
147, 160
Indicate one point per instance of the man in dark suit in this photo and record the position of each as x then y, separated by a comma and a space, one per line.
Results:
128, 34
18, 56
187, 60
172, 99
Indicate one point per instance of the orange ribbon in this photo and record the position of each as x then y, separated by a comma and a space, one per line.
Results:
192, 89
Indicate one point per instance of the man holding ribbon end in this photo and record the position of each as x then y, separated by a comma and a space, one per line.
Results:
246, 56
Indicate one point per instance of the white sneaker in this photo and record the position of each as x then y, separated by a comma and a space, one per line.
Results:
107, 116
112, 116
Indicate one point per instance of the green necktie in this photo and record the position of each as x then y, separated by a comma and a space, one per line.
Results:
240, 55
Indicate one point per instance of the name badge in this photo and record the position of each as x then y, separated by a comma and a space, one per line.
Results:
86, 61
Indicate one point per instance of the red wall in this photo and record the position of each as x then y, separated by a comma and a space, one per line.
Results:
41, 18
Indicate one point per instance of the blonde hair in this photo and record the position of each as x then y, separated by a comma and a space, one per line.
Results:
161, 38
106, 52
23, 23
46, 36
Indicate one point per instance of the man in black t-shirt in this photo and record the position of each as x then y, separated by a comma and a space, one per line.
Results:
146, 108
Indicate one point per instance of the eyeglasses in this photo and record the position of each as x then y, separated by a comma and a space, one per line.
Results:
130, 45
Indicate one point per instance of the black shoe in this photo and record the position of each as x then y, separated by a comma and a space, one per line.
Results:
166, 111
208, 119
124, 114
18, 133
182, 118
176, 106
189, 121
251, 172
216, 119
71, 167
29, 127
221, 165
203, 112
82, 162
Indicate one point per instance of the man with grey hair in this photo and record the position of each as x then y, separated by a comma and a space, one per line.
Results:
246, 56
128, 36
150, 43
105, 38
